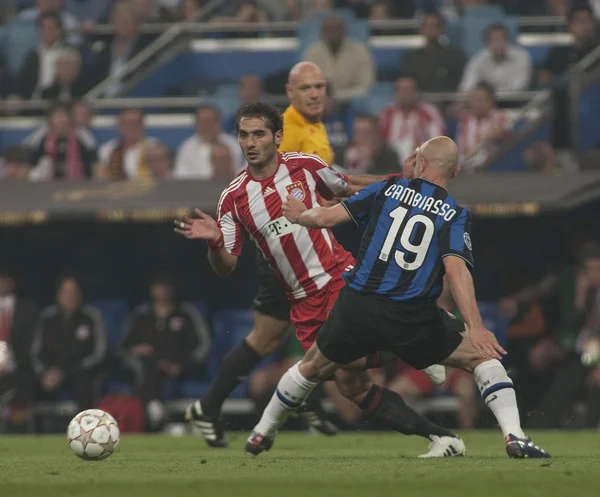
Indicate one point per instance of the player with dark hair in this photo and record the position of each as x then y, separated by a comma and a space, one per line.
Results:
308, 263
303, 131
416, 232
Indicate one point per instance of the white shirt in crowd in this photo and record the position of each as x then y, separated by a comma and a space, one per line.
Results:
132, 154
193, 157
48, 58
513, 73
471, 130
405, 131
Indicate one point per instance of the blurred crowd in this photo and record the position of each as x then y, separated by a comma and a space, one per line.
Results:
65, 148
61, 351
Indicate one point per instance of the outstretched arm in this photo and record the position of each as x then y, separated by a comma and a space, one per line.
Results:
463, 291
206, 228
318, 217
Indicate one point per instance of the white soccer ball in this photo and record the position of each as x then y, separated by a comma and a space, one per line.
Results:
93, 435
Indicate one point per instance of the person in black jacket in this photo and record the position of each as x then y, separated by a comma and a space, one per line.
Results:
163, 340
438, 66
17, 324
38, 70
69, 82
69, 345
126, 43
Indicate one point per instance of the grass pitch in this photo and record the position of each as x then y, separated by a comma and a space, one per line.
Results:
349, 465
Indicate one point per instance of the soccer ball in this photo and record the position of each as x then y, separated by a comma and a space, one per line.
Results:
93, 435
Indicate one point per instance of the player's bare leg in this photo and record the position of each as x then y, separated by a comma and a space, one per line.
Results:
378, 404
498, 393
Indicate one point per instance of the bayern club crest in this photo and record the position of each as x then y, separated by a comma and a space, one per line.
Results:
296, 190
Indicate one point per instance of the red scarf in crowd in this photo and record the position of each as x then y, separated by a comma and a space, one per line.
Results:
74, 166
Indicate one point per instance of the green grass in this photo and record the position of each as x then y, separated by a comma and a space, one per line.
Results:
353, 465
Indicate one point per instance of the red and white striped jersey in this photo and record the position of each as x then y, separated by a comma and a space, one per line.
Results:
404, 131
304, 259
472, 130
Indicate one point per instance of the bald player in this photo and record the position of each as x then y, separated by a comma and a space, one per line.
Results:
416, 232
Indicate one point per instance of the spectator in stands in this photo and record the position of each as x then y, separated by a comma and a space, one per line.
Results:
164, 339
68, 21
339, 57
250, 89
222, 162
408, 122
126, 156
286, 10
541, 157
88, 12
146, 10
194, 155
483, 125
579, 373
502, 65
189, 10
82, 114
247, 12
38, 71
69, 81
15, 164
126, 44
367, 152
70, 345
582, 26
438, 66
338, 123
65, 152
159, 161
363, 8
17, 325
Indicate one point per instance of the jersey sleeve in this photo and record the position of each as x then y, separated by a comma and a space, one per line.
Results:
229, 224
455, 238
329, 182
359, 205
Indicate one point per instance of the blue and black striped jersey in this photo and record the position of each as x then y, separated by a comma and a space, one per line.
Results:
411, 225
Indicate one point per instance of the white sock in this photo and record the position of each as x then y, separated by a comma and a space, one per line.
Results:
498, 393
291, 392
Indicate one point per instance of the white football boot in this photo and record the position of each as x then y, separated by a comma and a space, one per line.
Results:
445, 447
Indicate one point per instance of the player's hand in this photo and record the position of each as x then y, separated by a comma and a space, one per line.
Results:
486, 344
292, 208
202, 228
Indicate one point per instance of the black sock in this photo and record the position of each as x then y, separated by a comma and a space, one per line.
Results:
387, 408
236, 365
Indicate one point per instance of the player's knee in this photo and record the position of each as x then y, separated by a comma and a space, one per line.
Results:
265, 339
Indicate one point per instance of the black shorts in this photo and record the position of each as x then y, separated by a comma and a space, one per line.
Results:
360, 324
270, 298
